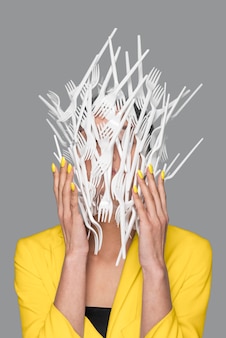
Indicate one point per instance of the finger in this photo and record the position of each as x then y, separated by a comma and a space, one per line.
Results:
55, 180
74, 202
66, 195
141, 210
153, 188
67, 222
62, 178
162, 194
147, 193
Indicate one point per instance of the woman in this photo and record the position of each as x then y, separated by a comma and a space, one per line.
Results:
161, 289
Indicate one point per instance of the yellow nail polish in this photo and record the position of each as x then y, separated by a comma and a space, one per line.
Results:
140, 174
53, 167
150, 168
163, 174
72, 186
69, 167
63, 161
135, 189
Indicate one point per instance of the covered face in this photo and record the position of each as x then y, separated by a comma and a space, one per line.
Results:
107, 139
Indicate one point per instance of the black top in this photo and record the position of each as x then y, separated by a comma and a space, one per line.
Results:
99, 317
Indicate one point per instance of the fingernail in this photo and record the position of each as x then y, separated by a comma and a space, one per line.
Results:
140, 174
72, 186
69, 167
150, 168
135, 189
163, 174
63, 161
53, 167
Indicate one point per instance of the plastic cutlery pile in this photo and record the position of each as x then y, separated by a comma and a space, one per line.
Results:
121, 113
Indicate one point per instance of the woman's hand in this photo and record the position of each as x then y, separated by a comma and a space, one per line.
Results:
70, 300
66, 195
153, 220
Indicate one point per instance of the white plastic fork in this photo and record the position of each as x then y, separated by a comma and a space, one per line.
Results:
141, 136
104, 85
90, 126
120, 99
95, 76
70, 88
89, 226
106, 105
158, 148
81, 143
114, 126
140, 141
85, 149
106, 205
163, 150
159, 111
67, 156
100, 163
158, 93
153, 154
129, 81
119, 191
54, 98
172, 104
125, 145
86, 196
52, 108
139, 101
129, 229
105, 208
77, 89
58, 155
146, 145
73, 105
186, 102
56, 132
171, 175
151, 83
109, 131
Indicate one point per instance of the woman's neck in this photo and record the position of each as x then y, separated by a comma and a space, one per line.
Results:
111, 241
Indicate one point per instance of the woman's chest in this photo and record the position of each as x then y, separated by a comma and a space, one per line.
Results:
102, 281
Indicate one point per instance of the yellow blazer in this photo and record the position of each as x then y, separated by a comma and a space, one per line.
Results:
38, 263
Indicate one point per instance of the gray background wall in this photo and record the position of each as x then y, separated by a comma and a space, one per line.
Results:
46, 43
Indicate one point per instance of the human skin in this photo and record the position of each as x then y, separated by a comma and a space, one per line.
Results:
76, 251
86, 270
152, 211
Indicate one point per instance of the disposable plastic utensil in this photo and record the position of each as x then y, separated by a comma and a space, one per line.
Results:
139, 100
183, 161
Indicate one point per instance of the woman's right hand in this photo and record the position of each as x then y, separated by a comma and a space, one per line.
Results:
66, 194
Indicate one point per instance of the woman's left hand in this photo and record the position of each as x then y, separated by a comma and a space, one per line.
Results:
153, 220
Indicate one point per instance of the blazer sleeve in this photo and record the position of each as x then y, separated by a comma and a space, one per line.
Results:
39, 317
187, 317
